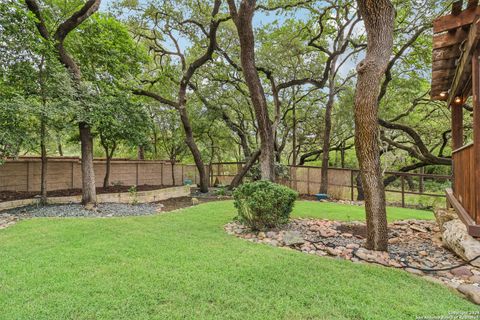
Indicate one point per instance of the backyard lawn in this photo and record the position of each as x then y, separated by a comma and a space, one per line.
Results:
344, 212
182, 265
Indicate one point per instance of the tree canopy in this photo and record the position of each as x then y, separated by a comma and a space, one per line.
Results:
177, 79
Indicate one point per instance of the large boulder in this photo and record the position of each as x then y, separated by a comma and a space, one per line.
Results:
457, 239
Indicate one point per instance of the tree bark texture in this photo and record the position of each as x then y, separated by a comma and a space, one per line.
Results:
243, 21
327, 134
89, 195
378, 16
44, 160
108, 162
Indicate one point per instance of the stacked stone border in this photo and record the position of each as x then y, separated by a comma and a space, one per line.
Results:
121, 197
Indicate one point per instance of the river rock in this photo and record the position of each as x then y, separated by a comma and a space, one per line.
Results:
293, 237
472, 292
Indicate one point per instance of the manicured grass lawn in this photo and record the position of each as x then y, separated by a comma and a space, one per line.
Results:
181, 265
344, 212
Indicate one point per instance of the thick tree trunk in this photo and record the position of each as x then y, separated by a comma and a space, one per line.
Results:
360, 193
106, 179
108, 163
43, 153
190, 141
243, 21
378, 16
326, 142
172, 163
294, 132
238, 178
89, 195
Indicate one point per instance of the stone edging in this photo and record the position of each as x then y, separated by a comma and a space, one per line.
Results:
121, 197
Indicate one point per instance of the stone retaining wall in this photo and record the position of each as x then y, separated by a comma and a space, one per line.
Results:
122, 197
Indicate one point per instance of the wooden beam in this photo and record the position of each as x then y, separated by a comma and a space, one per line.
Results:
444, 64
469, 46
446, 53
449, 39
443, 74
457, 125
476, 130
450, 22
472, 228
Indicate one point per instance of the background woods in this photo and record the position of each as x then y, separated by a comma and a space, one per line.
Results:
219, 81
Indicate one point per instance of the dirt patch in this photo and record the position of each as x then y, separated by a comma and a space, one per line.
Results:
19, 195
182, 202
354, 229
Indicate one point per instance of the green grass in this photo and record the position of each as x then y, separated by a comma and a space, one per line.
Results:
182, 265
335, 211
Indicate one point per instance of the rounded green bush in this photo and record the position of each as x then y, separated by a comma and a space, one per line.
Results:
264, 204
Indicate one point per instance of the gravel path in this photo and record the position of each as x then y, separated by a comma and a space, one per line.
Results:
77, 210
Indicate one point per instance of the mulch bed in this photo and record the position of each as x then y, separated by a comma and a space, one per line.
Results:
19, 195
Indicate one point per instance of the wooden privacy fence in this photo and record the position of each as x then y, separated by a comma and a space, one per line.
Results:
65, 173
403, 189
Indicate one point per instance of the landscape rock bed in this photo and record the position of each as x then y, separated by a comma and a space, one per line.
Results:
412, 243
10, 217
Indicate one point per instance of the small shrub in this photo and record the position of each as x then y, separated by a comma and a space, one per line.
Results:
263, 204
223, 191
133, 194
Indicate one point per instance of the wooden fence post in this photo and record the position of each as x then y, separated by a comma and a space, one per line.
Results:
352, 190
161, 173
136, 174
308, 180
72, 175
183, 177
402, 179
28, 175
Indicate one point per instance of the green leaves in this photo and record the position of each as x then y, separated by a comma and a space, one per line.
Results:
264, 204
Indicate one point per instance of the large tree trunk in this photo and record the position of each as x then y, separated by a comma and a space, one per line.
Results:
243, 21
190, 141
378, 16
43, 154
89, 195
